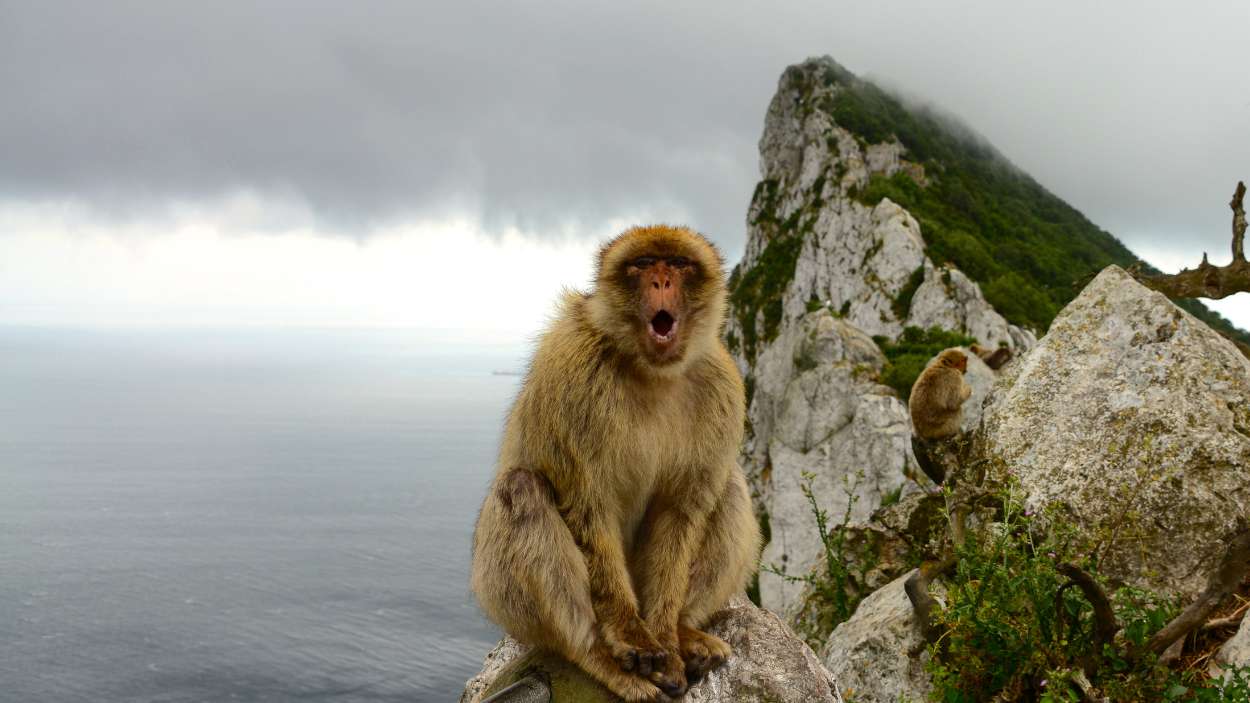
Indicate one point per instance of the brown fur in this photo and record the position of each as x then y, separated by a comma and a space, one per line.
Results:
618, 521
993, 358
938, 396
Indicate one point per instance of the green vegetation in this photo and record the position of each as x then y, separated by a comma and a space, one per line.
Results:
902, 304
1015, 629
1028, 249
906, 358
835, 591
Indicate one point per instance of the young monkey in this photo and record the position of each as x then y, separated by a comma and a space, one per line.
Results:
938, 396
618, 520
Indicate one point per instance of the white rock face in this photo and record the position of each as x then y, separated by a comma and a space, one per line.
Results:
769, 665
952, 301
870, 653
1135, 417
817, 410
856, 259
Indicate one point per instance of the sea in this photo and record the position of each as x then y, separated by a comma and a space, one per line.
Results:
242, 515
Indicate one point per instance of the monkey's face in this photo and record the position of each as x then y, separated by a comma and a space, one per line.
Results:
955, 359
660, 294
661, 285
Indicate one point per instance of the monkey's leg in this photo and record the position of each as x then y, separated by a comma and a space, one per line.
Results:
611, 591
531, 579
661, 565
724, 561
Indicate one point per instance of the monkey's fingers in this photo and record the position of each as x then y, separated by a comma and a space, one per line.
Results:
701, 652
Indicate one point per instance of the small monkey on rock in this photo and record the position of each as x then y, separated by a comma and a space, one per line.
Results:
938, 396
618, 521
993, 358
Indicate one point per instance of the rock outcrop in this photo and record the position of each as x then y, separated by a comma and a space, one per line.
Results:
823, 272
813, 240
878, 654
1134, 417
1233, 653
830, 426
769, 665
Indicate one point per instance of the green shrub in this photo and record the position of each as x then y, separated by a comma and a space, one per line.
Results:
1012, 629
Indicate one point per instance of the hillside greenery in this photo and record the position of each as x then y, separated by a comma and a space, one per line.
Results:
1028, 249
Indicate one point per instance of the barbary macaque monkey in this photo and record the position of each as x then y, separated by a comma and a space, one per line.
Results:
993, 358
618, 520
938, 396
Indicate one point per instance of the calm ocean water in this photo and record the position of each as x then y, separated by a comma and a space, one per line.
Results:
241, 516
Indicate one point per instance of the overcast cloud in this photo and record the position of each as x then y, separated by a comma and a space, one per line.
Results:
556, 117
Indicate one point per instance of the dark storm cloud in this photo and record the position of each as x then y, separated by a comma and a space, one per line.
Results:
557, 115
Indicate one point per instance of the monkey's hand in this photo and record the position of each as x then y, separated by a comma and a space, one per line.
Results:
966, 391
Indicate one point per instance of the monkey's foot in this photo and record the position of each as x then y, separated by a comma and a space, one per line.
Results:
601, 664
634, 648
701, 652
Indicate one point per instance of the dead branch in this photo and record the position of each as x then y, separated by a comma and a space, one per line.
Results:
1209, 281
1105, 625
1230, 621
1223, 582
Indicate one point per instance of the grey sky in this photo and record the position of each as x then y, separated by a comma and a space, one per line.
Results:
558, 116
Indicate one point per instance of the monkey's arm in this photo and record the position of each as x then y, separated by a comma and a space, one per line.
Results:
965, 391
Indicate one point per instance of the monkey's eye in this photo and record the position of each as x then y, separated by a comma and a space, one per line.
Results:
643, 262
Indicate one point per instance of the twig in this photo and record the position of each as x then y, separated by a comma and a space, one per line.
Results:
1088, 692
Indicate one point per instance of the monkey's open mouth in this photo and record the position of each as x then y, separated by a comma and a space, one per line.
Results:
663, 326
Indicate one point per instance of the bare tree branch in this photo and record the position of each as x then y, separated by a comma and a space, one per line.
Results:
1209, 281
1105, 625
1239, 222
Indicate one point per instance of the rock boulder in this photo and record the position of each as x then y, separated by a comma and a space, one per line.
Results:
769, 665
1133, 417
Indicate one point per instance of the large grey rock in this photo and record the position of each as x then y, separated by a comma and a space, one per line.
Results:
818, 415
1134, 417
871, 654
769, 665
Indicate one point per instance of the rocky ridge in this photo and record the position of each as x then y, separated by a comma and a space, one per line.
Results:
823, 275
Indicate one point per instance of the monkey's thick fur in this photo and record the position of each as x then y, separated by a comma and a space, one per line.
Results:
618, 520
993, 358
938, 396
